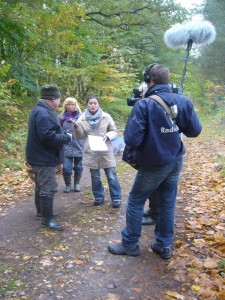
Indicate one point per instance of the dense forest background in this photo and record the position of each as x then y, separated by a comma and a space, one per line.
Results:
101, 48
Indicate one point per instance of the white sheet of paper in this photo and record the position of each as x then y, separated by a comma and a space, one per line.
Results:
96, 143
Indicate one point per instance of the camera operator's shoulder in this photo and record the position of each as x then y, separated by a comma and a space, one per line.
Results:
184, 103
182, 99
189, 102
146, 101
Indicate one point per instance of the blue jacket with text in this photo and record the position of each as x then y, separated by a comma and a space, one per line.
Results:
156, 136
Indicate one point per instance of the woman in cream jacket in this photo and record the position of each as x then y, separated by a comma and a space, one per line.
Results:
94, 121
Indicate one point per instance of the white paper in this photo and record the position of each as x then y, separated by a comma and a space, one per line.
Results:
96, 143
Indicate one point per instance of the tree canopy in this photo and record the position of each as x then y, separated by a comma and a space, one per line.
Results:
85, 47
213, 59
97, 47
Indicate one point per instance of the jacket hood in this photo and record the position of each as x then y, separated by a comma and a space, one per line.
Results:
158, 88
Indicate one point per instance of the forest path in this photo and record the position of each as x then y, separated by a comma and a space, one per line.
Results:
37, 263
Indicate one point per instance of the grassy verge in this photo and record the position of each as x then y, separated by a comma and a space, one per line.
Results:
214, 125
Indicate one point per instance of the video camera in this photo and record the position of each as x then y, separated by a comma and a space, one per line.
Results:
137, 95
134, 97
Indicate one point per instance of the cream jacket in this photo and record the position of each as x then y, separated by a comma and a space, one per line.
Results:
97, 159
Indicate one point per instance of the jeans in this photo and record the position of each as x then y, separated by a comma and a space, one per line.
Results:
72, 163
153, 204
45, 181
165, 179
97, 186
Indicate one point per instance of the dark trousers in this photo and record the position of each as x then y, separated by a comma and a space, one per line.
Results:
45, 180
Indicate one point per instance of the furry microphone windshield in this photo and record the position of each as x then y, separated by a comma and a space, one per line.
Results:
198, 32
187, 33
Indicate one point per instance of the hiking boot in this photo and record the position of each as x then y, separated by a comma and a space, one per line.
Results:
77, 177
67, 188
116, 203
67, 180
164, 252
120, 249
148, 221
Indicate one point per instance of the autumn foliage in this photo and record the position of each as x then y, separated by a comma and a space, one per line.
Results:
199, 260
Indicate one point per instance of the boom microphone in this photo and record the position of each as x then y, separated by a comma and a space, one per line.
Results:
187, 33
199, 32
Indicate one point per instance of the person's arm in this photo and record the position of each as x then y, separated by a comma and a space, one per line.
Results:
136, 125
45, 126
111, 130
79, 129
188, 122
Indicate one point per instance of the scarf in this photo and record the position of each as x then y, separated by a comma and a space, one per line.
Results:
93, 120
70, 116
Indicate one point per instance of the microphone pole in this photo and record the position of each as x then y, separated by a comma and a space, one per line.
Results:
189, 46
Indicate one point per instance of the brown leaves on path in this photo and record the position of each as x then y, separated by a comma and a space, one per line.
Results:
199, 261
198, 264
14, 185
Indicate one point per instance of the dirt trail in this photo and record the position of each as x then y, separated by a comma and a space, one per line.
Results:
74, 264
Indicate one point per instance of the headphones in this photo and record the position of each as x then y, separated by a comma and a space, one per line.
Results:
147, 76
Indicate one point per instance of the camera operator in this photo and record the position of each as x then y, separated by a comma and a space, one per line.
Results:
159, 154
150, 215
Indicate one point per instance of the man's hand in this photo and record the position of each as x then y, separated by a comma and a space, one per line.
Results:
59, 170
30, 172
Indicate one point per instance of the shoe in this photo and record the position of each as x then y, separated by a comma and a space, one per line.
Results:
146, 213
98, 202
51, 224
77, 177
67, 189
148, 221
119, 249
164, 252
76, 188
116, 203
55, 214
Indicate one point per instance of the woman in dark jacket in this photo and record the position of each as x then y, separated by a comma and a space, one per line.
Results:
74, 150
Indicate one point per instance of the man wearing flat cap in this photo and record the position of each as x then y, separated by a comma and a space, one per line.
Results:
44, 152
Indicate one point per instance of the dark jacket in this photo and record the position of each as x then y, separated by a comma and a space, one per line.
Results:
45, 140
155, 135
75, 147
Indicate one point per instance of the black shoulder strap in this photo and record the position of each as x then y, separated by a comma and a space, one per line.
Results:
164, 105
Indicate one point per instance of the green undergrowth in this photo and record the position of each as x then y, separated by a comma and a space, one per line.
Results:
13, 132
214, 123
214, 128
